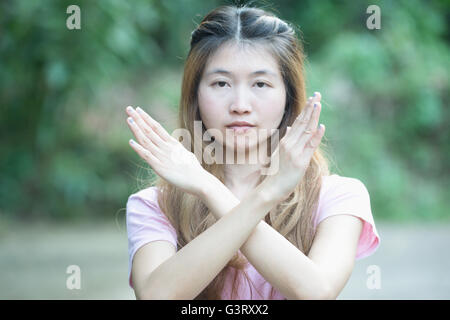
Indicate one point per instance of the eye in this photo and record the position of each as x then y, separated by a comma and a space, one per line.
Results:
261, 84
222, 84
219, 82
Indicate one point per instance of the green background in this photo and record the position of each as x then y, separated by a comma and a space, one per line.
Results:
64, 150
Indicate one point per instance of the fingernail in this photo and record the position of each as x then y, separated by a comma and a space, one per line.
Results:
131, 141
129, 108
315, 94
139, 110
130, 120
315, 105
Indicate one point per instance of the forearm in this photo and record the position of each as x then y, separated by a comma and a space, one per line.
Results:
282, 264
191, 269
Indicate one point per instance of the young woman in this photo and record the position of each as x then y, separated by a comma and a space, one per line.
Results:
226, 230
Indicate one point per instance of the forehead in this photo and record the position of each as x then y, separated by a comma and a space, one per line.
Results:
232, 59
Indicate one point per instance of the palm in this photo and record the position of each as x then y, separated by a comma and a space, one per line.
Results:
295, 150
165, 154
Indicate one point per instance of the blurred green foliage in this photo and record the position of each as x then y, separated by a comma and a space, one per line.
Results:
64, 150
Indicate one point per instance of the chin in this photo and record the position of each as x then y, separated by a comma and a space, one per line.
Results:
242, 148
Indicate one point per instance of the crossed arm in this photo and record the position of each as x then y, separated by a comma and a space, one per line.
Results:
320, 275
160, 273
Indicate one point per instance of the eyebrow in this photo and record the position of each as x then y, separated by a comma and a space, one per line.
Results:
259, 72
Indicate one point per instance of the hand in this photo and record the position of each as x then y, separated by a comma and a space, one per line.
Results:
295, 150
165, 154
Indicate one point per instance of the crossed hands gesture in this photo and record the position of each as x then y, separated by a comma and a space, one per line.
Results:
294, 152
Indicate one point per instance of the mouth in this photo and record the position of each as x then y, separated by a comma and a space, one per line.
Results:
240, 129
240, 126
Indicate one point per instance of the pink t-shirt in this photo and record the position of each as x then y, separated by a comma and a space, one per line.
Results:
338, 195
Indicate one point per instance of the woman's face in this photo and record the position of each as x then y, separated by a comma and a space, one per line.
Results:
242, 85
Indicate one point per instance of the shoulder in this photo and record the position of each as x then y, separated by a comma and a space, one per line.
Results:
145, 197
341, 196
344, 190
143, 205
144, 214
146, 222
337, 184
149, 194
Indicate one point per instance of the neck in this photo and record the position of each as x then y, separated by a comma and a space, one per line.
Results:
242, 175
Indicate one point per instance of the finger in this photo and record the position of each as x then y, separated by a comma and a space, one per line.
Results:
317, 96
142, 138
290, 136
300, 123
313, 144
155, 125
144, 153
304, 115
148, 131
286, 134
311, 128
307, 110
303, 119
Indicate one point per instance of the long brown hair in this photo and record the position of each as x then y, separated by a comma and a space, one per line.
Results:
293, 218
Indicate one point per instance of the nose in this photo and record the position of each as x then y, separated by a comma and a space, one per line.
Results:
241, 104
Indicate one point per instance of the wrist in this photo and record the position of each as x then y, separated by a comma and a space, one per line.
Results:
267, 194
216, 196
206, 182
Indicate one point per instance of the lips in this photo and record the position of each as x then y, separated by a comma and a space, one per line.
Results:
240, 126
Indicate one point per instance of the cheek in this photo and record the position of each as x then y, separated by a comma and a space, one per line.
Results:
210, 111
272, 111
